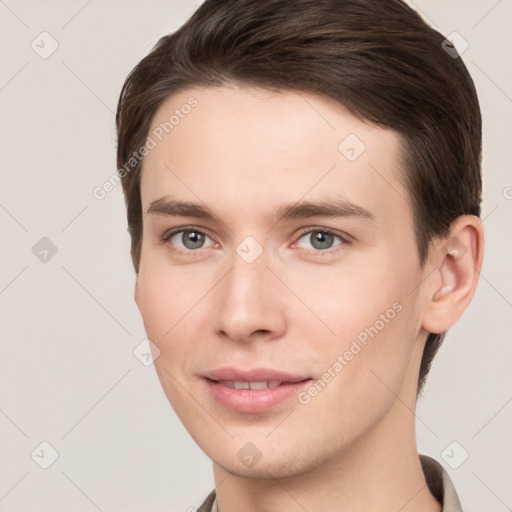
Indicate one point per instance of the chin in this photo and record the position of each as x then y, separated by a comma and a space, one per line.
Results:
283, 467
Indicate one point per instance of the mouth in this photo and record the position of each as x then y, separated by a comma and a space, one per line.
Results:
255, 376
253, 391
264, 384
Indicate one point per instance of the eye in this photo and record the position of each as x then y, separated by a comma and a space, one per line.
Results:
323, 240
190, 239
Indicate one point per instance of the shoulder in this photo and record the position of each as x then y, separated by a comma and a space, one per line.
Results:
206, 506
440, 484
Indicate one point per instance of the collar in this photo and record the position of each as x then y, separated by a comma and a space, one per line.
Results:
437, 479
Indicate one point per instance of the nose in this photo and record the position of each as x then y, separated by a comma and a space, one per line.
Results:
248, 302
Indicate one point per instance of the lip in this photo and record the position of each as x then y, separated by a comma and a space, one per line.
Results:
254, 375
253, 400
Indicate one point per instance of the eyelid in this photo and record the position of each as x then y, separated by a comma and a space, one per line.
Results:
344, 237
170, 232
167, 235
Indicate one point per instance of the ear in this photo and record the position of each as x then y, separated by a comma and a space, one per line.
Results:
457, 262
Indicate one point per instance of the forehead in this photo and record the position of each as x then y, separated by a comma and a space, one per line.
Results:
251, 147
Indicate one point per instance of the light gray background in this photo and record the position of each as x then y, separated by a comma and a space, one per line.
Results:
68, 326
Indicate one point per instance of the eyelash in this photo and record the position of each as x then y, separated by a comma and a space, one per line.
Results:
334, 250
345, 240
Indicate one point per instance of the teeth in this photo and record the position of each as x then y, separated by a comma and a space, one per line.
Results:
227, 383
250, 385
258, 385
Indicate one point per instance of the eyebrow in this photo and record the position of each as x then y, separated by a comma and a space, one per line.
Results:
299, 210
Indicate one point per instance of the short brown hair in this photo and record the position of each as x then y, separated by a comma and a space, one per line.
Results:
379, 59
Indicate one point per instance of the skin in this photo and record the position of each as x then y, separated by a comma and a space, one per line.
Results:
242, 153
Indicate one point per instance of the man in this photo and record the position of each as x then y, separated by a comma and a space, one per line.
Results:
303, 188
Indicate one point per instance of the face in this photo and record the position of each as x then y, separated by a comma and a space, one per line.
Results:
293, 272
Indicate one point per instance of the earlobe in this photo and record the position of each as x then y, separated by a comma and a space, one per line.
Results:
458, 265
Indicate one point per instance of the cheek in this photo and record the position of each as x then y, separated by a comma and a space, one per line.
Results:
367, 318
174, 303
344, 300
361, 369
164, 299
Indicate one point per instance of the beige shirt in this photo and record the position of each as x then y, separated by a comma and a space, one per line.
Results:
437, 479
